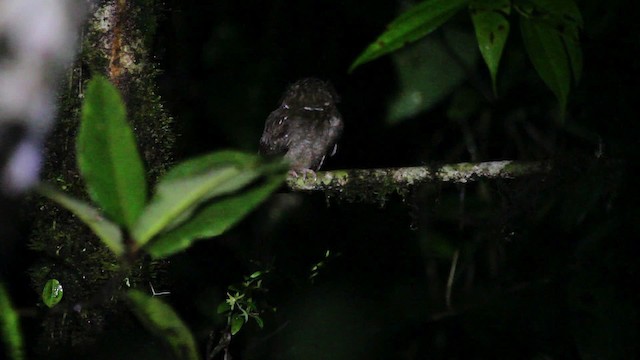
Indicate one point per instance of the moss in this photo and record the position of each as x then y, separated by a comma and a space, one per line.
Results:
92, 278
364, 186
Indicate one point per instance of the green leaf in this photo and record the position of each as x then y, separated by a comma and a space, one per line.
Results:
107, 154
236, 323
259, 321
410, 26
575, 57
10, 327
176, 199
204, 163
492, 30
107, 231
223, 308
192, 183
52, 293
213, 219
547, 53
162, 320
557, 25
429, 70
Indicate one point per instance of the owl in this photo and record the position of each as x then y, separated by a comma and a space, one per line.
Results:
305, 127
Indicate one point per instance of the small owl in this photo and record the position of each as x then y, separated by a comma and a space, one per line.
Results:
305, 127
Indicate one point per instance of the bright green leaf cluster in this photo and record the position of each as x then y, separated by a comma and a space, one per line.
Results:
199, 198
550, 30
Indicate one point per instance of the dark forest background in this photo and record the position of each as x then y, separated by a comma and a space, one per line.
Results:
545, 266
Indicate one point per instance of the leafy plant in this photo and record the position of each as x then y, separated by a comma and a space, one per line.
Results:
240, 306
549, 28
199, 198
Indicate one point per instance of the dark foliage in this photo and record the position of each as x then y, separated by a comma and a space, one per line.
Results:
545, 267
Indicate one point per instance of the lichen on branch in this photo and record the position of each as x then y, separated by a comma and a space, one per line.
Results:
399, 179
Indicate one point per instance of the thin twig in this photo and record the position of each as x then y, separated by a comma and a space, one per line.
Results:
452, 274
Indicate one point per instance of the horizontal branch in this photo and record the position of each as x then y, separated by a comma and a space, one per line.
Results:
401, 177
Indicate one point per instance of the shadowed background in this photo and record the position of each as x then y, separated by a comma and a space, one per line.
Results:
545, 265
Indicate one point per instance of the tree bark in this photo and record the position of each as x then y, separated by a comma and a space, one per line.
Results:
115, 42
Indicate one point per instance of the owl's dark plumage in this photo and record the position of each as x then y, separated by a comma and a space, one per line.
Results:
305, 127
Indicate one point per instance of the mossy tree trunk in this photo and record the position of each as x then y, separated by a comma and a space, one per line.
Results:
115, 42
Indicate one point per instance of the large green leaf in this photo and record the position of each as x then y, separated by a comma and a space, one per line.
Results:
546, 50
575, 57
492, 29
430, 70
213, 219
206, 162
190, 184
410, 26
10, 327
108, 232
163, 321
565, 18
107, 155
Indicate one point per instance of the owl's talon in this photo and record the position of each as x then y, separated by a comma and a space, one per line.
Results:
305, 173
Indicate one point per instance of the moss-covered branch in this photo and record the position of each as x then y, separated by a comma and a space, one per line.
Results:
398, 179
